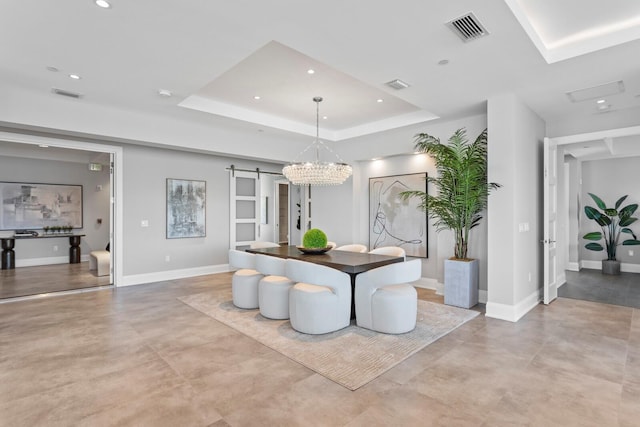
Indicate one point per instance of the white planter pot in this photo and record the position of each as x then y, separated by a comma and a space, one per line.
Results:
461, 282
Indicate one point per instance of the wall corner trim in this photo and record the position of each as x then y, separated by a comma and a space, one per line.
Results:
513, 313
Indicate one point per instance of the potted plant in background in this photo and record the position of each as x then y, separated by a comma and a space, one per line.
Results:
462, 194
612, 222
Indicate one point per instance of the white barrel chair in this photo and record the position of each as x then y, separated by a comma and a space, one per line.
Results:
320, 301
352, 248
390, 250
273, 288
385, 302
263, 245
244, 284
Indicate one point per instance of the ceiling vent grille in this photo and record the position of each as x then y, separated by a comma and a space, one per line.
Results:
468, 27
398, 84
62, 92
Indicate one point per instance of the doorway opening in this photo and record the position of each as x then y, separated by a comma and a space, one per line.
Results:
600, 163
43, 264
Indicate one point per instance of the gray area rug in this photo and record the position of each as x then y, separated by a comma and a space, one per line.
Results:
350, 357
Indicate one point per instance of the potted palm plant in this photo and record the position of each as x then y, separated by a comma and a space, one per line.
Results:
612, 222
462, 194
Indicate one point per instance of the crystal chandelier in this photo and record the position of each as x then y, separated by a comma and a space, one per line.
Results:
317, 172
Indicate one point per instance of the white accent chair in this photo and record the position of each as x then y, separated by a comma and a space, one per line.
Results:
273, 288
263, 245
385, 302
100, 261
320, 301
244, 284
390, 250
352, 248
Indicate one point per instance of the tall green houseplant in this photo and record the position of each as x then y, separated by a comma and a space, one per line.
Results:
612, 222
461, 183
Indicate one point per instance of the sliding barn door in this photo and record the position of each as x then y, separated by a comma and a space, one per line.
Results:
244, 201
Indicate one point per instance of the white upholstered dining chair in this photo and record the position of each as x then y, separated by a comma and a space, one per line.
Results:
390, 250
352, 248
273, 288
244, 284
320, 301
385, 301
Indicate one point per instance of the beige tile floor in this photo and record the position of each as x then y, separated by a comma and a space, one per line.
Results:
138, 356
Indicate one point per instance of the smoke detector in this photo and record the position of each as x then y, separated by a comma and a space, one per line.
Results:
468, 27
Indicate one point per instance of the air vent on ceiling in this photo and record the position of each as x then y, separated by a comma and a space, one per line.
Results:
397, 84
595, 92
66, 93
468, 27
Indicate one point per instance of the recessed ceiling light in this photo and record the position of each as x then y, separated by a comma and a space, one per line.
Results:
325, 117
43, 145
103, 4
74, 76
601, 101
164, 92
52, 69
256, 97
310, 71
443, 62
380, 100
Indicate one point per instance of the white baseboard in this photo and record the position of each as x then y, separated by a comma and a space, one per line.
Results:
482, 296
428, 283
573, 266
513, 313
624, 267
561, 279
159, 276
34, 262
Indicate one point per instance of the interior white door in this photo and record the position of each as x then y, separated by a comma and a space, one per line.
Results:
550, 230
244, 208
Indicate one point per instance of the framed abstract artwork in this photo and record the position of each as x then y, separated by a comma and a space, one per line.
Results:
186, 208
397, 222
33, 206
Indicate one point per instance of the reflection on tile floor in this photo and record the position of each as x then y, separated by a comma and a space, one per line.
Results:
592, 285
138, 356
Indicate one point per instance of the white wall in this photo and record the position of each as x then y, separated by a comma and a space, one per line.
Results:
515, 263
95, 205
609, 179
145, 173
343, 211
575, 204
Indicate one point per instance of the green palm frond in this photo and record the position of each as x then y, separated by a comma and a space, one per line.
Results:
461, 184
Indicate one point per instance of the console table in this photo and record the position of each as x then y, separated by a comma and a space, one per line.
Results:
9, 255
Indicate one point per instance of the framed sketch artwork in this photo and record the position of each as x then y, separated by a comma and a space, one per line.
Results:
397, 222
186, 208
33, 206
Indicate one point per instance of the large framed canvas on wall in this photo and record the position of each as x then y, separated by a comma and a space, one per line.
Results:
397, 222
186, 208
33, 206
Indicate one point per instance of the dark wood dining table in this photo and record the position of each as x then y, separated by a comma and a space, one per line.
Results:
351, 263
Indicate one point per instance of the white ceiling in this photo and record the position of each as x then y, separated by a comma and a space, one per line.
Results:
214, 56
